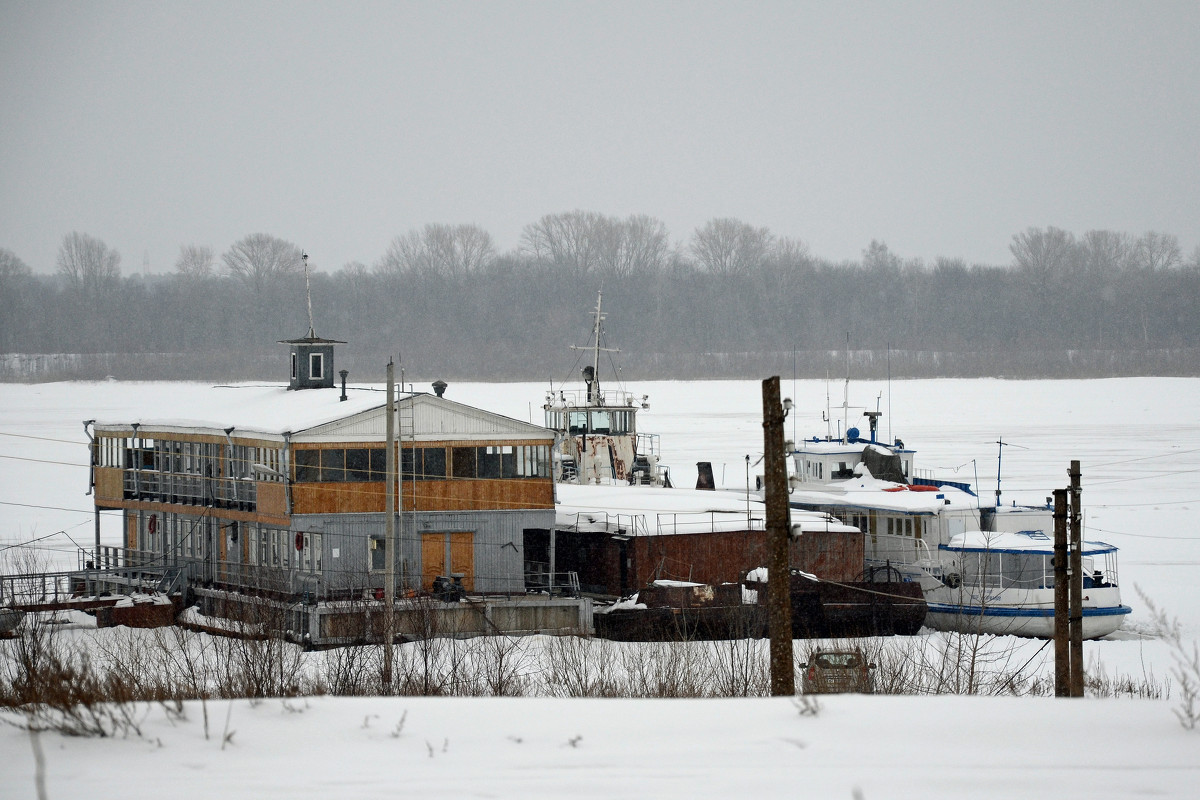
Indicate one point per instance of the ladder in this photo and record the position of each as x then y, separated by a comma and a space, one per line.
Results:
405, 437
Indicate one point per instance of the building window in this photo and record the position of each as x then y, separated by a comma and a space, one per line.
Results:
293, 366
501, 461
423, 463
463, 462
316, 366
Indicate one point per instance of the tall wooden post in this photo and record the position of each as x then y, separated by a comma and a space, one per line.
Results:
1062, 652
389, 545
779, 593
1076, 583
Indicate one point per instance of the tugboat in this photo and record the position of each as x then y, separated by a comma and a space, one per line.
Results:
597, 440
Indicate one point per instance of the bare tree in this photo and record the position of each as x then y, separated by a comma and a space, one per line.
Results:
637, 244
1156, 251
87, 264
195, 261
570, 241
878, 257
260, 258
439, 249
11, 266
728, 246
790, 252
1046, 255
1105, 253
586, 242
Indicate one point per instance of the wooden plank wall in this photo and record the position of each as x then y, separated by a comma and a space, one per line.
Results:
451, 495
109, 483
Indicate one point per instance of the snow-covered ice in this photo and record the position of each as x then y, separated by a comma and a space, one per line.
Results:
1139, 444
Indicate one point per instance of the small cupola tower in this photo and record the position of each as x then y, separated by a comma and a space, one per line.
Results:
312, 356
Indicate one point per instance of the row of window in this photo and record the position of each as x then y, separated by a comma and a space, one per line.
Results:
423, 463
600, 421
892, 526
182, 536
204, 459
190, 470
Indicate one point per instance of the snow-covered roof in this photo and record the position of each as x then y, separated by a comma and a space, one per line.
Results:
309, 414
257, 408
826, 447
868, 492
644, 510
1027, 542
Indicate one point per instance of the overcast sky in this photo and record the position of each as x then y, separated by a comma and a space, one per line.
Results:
940, 129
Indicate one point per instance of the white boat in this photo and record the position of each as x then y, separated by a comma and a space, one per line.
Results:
597, 439
1003, 583
925, 529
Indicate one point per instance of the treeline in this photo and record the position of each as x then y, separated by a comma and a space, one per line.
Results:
733, 301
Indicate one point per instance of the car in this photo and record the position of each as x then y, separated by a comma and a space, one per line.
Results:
830, 671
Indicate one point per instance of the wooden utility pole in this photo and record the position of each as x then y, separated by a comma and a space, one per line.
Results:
779, 590
1076, 583
1062, 651
389, 546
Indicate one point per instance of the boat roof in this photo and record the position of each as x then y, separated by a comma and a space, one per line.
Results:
872, 493
1024, 542
820, 446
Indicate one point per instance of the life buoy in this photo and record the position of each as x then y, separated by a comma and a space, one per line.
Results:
953, 580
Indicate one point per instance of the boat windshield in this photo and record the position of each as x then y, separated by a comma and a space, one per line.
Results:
601, 421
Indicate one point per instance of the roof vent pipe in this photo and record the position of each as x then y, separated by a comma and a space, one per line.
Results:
343, 373
439, 387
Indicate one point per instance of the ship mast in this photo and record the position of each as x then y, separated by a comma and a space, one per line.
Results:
591, 374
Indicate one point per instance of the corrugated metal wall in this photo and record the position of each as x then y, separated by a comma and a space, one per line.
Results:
499, 558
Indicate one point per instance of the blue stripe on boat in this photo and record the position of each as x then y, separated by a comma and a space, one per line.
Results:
1003, 611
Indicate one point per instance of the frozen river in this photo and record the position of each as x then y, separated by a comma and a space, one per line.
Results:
1138, 441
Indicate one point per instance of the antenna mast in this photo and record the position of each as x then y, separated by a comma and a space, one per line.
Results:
594, 380
999, 456
308, 293
846, 393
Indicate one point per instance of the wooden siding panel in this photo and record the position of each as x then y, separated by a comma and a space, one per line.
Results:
340, 497
449, 495
479, 495
110, 483
272, 498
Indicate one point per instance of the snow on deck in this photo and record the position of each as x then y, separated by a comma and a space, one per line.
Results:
607, 508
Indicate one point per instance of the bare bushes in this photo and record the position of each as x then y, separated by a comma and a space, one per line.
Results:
1185, 666
56, 685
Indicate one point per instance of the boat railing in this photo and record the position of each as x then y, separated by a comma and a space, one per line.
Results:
579, 398
708, 522
618, 524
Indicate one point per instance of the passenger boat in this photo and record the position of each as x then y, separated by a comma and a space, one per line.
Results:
930, 530
1003, 583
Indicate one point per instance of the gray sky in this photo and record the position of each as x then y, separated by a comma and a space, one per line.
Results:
939, 128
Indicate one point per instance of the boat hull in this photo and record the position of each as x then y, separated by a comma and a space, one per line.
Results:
1020, 613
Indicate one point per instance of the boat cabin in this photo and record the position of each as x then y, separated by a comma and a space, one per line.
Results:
596, 434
